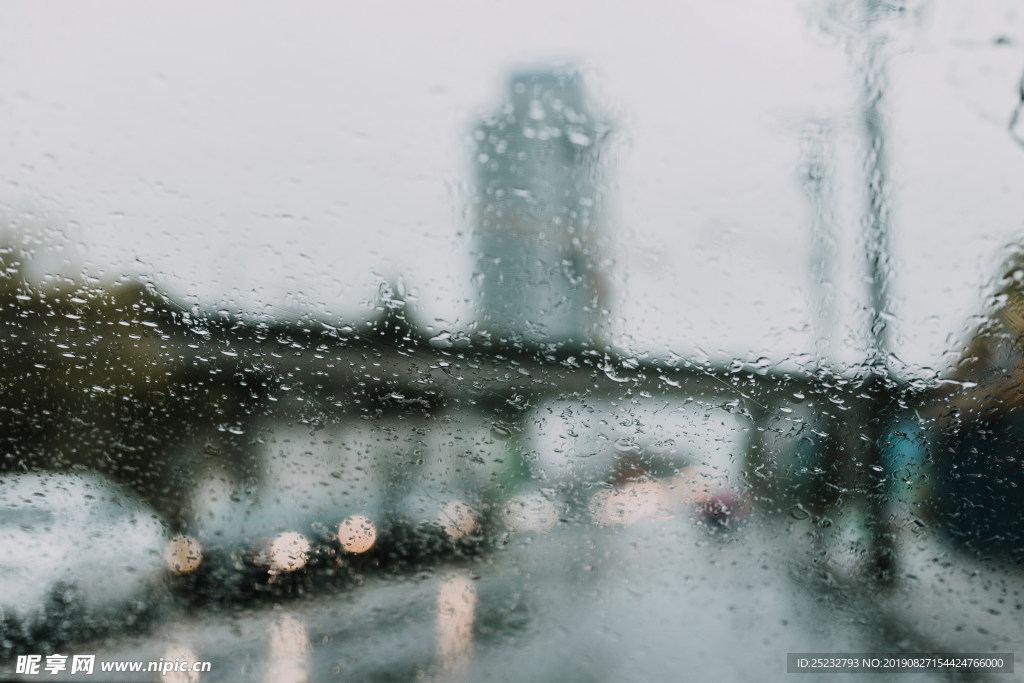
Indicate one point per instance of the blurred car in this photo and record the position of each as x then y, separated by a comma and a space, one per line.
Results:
292, 526
78, 555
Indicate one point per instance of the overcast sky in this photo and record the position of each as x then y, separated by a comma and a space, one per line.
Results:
288, 157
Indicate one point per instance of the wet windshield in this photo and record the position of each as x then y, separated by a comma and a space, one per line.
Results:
511, 343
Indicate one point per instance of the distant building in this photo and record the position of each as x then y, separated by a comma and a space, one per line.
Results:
538, 219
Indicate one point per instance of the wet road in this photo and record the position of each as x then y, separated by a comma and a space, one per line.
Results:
647, 602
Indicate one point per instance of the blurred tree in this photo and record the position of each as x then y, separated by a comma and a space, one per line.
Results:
979, 468
93, 377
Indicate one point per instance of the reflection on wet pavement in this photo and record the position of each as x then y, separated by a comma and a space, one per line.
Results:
176, 652
288, 651
456, 614
630, 603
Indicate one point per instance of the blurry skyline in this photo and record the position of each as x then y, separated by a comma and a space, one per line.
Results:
277, 159
540, 269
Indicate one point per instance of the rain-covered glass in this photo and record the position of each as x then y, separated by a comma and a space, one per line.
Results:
515, 342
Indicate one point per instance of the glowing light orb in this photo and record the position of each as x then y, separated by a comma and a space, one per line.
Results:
289, 551
457, 519
183, 554
630, 503
357, 534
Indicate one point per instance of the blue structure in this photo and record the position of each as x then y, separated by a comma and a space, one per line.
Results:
538, 188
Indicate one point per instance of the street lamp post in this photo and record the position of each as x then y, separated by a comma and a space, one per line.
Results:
877, 228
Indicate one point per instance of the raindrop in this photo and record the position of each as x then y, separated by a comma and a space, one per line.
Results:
609, 371
499, 431
580, 139
627, 446
441, 341
799, 512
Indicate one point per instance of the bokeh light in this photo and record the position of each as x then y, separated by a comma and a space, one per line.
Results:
183, 554
357, 534
289, 551
457, 519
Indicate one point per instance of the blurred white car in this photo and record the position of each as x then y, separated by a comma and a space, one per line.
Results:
77, 554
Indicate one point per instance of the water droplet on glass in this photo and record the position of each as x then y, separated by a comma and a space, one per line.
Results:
441, 341
626, 446
799, 512
500, 432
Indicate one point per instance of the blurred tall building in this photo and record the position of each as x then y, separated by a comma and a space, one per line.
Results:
539, 265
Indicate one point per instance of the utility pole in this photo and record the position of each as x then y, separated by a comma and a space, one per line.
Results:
863, 27
877, 226
876, 168
817, 181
